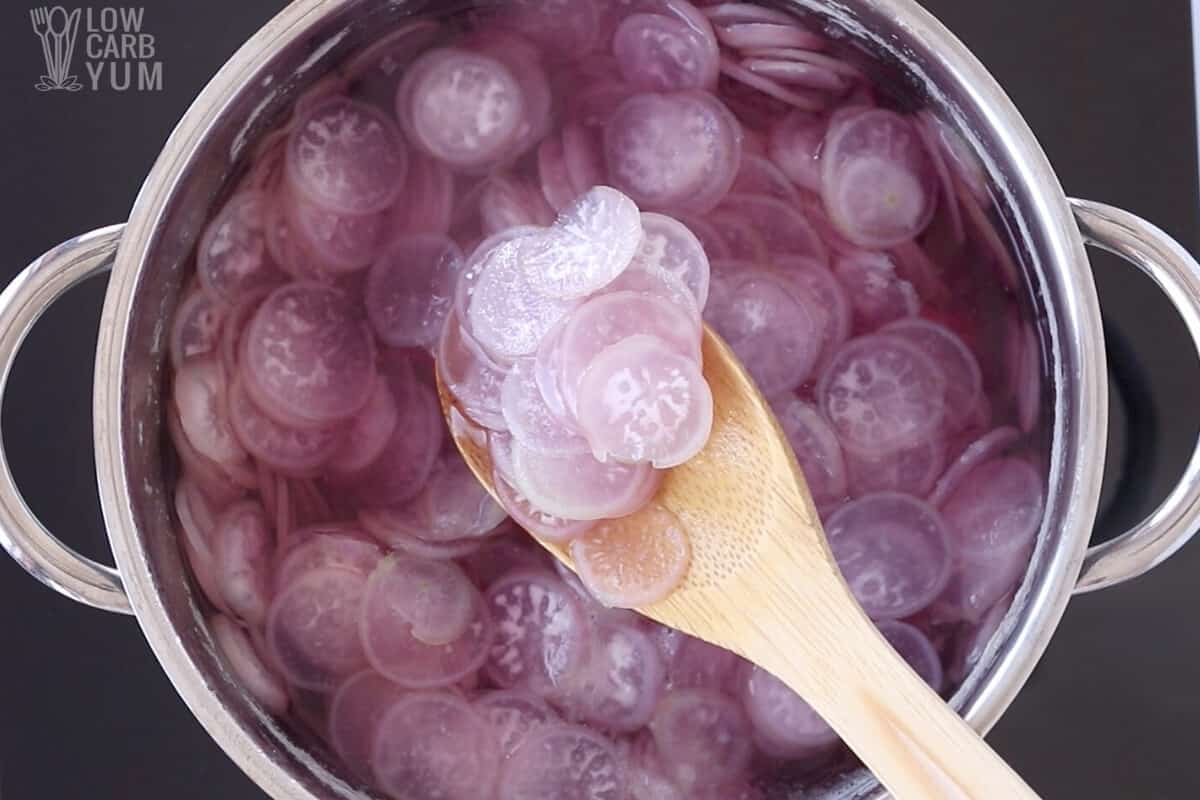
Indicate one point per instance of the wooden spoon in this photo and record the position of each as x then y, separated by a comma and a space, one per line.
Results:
763, 583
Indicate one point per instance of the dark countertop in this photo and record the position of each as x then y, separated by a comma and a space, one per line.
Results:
1110, 713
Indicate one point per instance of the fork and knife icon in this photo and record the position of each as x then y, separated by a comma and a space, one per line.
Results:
58, 31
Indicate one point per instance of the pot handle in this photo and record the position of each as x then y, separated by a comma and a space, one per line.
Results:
25, 538
1176, 520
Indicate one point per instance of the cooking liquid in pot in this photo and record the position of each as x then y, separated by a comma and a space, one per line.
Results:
361, 583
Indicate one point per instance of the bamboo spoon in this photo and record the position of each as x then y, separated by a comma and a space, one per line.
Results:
763, 583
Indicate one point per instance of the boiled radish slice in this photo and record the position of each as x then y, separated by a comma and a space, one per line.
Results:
882, 394
817, 448
579, 486
985, 448
514, 714
530, 419
661, 53
294, 451
435, 598
347, 157
877, 292
260, 680
308, 357
342, 243
619, 688
677, 151
996, 509
410, 289
702, 735
795, 147
592, 243
563, 762
541, 633
542, 525
201, 391
434, 746
354, 714
232, 257
964, 379
916, 649
633, 561
473, 377
814, 280
785, 726
462, 108
894, 551
669, 247
312, 628
640, 401
458, 506
320, 547
197, 328
784, 229
366, 436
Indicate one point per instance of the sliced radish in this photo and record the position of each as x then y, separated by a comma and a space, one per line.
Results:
912, 470
232, 257
530, 419
785, 725
312, 628
354, 714
619, 688
816, 446
458, 505
877, 293
703, 737
511, 202
758, 176
514, 714
471, 376
985, 448
810, 277
366, 436
430, 180
201, 392
996, 509
563, 762
580, 487
295, 452
660, 53
795, 147
196, 331
783, 225
410, 289
669, 247
260, 681
743, 242
634, 561
325, 546
434, 598
916, 649
964, 380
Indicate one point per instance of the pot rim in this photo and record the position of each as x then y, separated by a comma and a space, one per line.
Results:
1072, 320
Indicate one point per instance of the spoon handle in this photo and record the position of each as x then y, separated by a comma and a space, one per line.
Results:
901, 729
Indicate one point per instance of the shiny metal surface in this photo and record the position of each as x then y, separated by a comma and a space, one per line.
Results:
1176, 520
218, 133
27, 540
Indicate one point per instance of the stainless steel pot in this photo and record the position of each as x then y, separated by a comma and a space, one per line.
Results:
149, 255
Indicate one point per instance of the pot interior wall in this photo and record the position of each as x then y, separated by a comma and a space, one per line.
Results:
221, 155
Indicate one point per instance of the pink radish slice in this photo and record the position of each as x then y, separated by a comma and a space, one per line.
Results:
640, 401
739, 13
580, 487
754, 35
508, 316
878, 294
404, 466
462, 108
657, 284
196, 331
983, 449
471, 376
916, 649
819, 284
668, 246
430, 180
877, 180
342, 243
774, 331
563, 762
308, 357
817, 448
607, 319
557, 188
795, 147
582, 156
964, 380
397, 654
540, 524
633, 561
347, 157
660, 53
195, 540
293, 451
673, 152
287, 248
619, 688
542, 638
597, 613
592, 243
803, 99
996, 509
354, 714
366, 436
324, 547
977, 586
458, 505
434, 598
434, 746
524, 61
912, 470
530, 419
958, 155
783, 226
798, 73
210, 478
250, 671
514, 715
201, 392
232, 257
312, 628
834, 64
398, 529
703, 737
894, 551
759, 176
510, 202
237, 319
882, 394
787, 725
410, 289
742, 240
927, 129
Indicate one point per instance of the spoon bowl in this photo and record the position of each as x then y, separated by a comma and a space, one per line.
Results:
764, 584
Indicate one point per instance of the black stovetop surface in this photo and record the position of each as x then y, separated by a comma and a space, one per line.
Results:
1110, 713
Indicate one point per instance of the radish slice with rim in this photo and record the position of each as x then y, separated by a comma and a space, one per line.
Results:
561, 762
579, 486
312, 628
986, 447
471, 376
917, 650
410, 289
196, 331
434, 598
250, 671
531, 420
816, 446
354, 714
295, 452
669, 246
784, 723
964, 379
622, 683
514, 714
634, 561
702, 736
232, 256
660, 53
